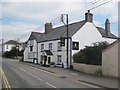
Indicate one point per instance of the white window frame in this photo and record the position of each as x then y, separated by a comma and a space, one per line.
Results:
50, 46
42, 47
59, 47
59, 59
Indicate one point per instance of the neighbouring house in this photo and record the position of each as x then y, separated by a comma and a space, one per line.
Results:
7, 46
110, 60
46, 47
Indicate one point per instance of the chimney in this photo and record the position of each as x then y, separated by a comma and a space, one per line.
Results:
48, 27
107, 27
88, 16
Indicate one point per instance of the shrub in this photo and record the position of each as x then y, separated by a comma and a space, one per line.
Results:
91, 54
52, 63
13, 53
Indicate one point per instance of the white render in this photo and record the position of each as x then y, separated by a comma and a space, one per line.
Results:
30, 54
8, 47
54, 51
86, 36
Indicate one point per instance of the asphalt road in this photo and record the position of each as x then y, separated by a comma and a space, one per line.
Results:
20, 75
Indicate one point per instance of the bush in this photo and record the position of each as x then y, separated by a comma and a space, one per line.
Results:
13, 53
52, 63
91, 54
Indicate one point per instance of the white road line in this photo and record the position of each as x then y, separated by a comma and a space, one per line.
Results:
30, 74
50, 85
73, 73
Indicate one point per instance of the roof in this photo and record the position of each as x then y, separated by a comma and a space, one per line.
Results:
111, 45
48, 52
102, 32
58, 32
12, 42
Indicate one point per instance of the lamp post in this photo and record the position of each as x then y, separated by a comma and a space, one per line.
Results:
66, 24
17, 50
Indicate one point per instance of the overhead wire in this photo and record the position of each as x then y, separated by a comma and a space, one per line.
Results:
99, 5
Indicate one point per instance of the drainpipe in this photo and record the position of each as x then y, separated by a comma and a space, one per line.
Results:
37, 52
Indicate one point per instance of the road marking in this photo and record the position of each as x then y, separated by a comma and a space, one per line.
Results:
7, 85
73, 73
86, 84
50, 85
45, 71
30, 74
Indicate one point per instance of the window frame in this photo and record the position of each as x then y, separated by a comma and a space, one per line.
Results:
42, 47
59, 48
50, 46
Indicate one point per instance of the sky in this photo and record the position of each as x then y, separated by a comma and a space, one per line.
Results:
20, 17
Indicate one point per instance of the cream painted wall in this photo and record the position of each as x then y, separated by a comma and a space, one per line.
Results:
110, 61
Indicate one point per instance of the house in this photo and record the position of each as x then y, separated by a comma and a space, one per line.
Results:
7, 46
110, 60
46, 47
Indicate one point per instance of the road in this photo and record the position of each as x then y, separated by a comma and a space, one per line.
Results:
20, 75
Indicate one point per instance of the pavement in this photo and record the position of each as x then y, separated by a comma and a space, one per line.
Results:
105, 82
27, 75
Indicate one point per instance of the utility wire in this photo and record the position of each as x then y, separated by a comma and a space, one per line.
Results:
100, 5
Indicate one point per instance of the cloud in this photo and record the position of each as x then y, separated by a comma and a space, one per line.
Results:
44, 11
18, 30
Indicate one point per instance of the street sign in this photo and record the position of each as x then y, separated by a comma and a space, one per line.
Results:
62, 41
75, 45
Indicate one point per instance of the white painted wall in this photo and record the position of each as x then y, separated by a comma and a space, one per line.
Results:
9, 47
27, 52
87, 35
54, 51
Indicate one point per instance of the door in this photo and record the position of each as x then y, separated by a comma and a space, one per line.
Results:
45, 60
49, 60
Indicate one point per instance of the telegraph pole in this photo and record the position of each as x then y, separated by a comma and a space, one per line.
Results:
67, 40
2, 47
67, 49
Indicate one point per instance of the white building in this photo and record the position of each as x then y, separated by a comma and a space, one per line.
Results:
7, 46
45, 47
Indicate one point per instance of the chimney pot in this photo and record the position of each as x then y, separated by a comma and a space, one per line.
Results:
48, 27
88, 16
107, 27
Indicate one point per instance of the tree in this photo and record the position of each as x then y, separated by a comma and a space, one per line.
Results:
13, 53
91, 54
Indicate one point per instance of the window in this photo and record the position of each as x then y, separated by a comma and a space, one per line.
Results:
50, 46
42, 47
31, 48
7, 47
59, 47
59, 59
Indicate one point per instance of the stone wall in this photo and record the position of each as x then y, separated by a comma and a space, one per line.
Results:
91, 69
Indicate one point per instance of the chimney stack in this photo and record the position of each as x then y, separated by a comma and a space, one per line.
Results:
88, 16
48, 27
107, 27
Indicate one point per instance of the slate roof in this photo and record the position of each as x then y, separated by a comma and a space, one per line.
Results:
58, 32
12, 42
48, 52
102, 32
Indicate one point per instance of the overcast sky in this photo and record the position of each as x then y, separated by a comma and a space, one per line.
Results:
20, 17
